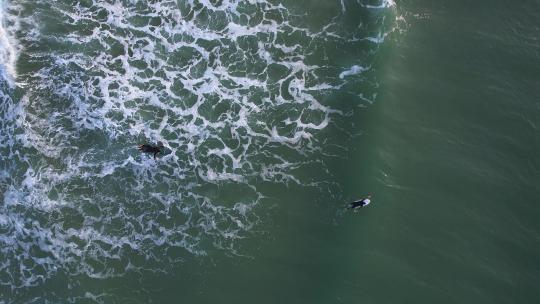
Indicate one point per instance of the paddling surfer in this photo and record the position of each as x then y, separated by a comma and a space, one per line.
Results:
360, 203
151, 149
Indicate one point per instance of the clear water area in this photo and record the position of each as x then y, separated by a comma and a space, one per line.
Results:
270, 127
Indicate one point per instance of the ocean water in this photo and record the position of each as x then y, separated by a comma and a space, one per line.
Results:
274, 115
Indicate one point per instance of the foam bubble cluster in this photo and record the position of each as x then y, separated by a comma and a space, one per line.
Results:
8, 44
238, 92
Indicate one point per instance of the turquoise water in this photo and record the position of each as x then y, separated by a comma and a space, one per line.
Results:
274, 116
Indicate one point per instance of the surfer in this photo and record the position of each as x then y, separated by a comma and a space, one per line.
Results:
360, 203
151, 149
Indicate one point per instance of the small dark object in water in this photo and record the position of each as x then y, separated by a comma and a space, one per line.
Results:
151, 149
360, 203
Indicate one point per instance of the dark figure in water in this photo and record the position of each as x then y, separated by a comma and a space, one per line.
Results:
151, 149
360, 203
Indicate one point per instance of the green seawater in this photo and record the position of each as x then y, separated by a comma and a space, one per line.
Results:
441, 129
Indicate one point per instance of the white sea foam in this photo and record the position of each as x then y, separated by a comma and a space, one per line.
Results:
9, 48
384, 4
234, 104
355, 69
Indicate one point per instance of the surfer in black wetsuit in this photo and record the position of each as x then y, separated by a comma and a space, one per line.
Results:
360, 203
151, 149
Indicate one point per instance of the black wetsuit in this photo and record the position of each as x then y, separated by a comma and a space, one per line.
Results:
150, 149
360, 203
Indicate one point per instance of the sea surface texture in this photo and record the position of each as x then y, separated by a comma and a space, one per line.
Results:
274, 115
